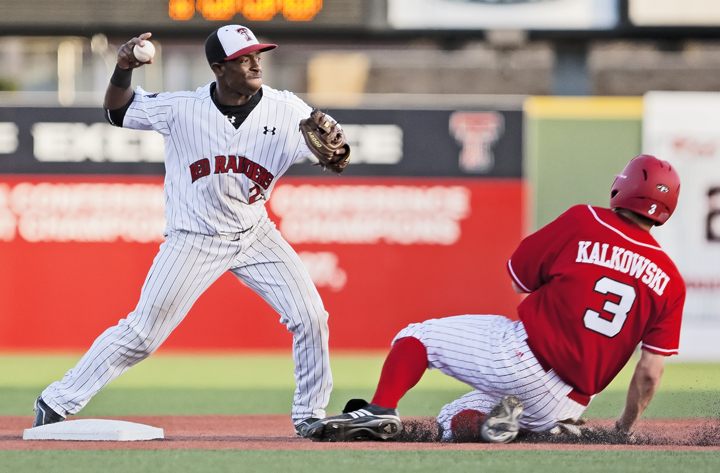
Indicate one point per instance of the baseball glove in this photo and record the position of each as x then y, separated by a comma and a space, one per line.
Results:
326, 140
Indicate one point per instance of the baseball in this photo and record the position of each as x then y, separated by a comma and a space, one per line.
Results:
144, 53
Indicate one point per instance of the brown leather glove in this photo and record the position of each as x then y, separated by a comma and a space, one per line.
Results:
326, 140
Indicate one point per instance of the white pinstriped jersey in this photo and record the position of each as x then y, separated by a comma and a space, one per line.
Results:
217, 177
217, 180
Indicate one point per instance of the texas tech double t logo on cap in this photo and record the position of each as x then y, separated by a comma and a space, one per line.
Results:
232, 41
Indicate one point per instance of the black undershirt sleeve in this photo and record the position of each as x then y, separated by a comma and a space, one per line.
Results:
116, 117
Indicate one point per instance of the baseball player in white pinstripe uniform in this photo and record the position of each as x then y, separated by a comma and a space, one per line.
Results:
226, 144
598, 284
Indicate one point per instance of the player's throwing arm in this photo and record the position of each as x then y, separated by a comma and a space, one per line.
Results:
119, 92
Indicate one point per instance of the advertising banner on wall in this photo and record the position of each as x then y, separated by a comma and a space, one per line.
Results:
503, 14
684, 129
383, 252
419, 226
432, 143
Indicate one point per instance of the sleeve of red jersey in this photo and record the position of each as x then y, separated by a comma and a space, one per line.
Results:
663, 337
529, 266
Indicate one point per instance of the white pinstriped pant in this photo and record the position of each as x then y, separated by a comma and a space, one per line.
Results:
489, 353
186, 265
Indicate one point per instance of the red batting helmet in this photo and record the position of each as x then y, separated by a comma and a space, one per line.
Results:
648, 186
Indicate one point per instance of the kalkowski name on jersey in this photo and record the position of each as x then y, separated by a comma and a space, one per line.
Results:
624, 261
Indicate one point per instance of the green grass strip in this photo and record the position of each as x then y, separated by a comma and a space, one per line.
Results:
209, 372
275, 371
176, 401
301, 461
264, 384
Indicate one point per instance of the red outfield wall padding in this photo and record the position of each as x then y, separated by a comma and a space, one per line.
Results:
74, 252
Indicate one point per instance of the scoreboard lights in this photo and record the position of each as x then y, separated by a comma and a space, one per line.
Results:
253, 10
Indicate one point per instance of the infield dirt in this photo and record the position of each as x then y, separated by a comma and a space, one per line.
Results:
275, 432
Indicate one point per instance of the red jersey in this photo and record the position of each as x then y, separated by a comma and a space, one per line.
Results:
598, 285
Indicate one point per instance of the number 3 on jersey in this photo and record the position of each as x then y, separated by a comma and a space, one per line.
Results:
612, 327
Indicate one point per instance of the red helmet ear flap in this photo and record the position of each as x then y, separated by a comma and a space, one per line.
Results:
647, 186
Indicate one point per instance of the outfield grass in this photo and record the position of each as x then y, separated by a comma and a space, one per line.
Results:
263, 384
301, 461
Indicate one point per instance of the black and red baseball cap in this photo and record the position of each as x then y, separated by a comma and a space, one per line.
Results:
232, 41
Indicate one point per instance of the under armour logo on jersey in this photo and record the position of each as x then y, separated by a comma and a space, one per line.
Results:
231, 119
270, 131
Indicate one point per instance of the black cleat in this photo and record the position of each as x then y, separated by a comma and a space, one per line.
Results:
301, 429
503, 422
360, 421
44, 415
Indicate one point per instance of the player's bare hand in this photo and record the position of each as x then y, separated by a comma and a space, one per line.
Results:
622, 433
126, 57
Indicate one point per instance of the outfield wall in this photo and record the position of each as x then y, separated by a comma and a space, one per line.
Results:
419, 226
684, 128
573, 148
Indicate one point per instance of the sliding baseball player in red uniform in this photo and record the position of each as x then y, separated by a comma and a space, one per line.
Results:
598, 285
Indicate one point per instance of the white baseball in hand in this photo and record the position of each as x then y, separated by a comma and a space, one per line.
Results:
144, 53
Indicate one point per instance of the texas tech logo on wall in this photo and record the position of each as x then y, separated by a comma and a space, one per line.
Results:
476, 133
